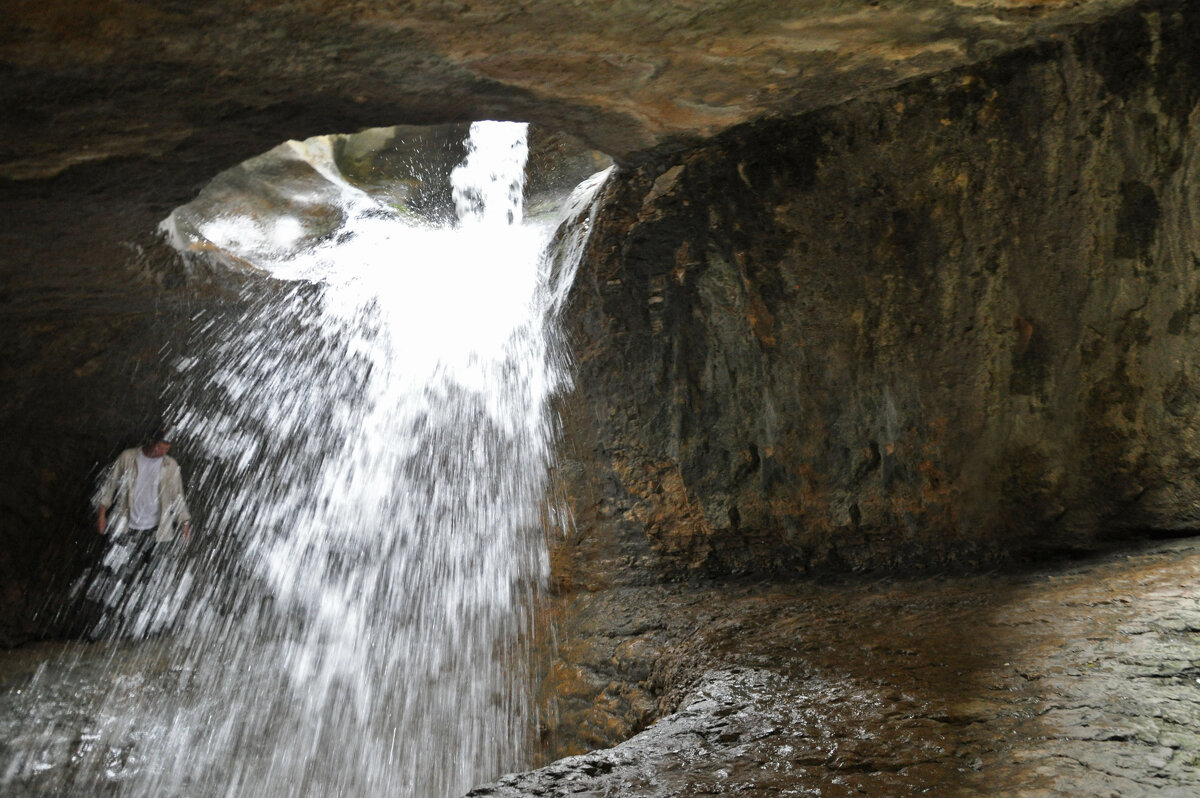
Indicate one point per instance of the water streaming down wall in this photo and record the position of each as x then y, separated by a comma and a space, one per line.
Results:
376, 440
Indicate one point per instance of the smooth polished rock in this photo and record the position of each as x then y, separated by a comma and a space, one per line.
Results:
1070, 679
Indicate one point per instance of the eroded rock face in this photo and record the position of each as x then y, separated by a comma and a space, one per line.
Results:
939, 326
945, 323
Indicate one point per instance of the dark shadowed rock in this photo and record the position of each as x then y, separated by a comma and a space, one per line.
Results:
942, 324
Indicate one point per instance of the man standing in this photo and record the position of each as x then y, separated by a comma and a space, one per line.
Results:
147, 489
139, 506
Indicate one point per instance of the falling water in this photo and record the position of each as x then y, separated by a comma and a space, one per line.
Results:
354, 616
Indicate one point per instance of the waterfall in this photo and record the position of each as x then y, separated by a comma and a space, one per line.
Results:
353, 616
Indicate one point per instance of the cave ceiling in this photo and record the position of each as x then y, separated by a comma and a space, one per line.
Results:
220, 81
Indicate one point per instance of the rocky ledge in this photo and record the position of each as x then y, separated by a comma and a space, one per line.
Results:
1076, 679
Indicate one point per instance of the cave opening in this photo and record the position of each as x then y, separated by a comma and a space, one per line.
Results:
368, 438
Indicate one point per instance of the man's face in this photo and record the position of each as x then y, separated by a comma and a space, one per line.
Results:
158, 449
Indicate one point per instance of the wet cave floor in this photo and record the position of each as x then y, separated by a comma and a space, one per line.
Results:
1080, 679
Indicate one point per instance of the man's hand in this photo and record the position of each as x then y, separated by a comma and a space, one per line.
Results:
102, 520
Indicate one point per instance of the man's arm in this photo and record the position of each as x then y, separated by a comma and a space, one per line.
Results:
104, 496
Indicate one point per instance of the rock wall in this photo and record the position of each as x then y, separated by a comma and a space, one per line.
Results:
944, 323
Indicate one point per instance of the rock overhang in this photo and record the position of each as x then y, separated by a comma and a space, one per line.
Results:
123, 80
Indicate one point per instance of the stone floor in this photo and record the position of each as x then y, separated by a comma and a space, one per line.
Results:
1078, 679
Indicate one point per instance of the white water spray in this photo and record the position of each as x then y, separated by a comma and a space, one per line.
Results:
378, 438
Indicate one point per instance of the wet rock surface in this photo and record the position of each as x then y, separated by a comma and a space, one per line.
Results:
1075, 679
1071, 679
941, 324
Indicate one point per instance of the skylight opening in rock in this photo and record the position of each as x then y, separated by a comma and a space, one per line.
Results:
378, 217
